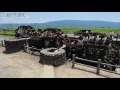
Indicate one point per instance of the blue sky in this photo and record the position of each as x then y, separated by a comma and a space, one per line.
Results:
41, 17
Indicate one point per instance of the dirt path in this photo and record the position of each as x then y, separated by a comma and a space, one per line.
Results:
81, 71
19, 65
25, 65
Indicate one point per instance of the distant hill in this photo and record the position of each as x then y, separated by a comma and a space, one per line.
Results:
70, 23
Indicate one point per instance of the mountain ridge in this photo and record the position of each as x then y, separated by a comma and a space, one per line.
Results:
69, 23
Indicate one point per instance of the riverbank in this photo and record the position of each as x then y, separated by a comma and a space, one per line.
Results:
2, 37
7, 33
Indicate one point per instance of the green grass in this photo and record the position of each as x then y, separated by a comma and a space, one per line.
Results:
100, 30
68, 29
7, 33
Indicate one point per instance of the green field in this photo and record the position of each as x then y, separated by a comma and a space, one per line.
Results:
100, 30
8, 33
65, 29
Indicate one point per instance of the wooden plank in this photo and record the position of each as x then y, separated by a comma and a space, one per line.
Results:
109, 65
86, 60
92, 46
73, 60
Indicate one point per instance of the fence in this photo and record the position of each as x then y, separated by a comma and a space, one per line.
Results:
99, 63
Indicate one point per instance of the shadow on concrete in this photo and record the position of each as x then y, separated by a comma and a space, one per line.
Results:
10, 52
35, 54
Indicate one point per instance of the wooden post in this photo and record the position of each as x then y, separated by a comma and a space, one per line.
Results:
73, 60
118, 56
24, 48
2, 42
27, 45
98, 66
32, 50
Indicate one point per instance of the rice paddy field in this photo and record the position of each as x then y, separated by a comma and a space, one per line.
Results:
11, 31
100, 30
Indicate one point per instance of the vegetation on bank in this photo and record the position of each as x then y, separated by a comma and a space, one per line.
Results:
11, 31
8, 33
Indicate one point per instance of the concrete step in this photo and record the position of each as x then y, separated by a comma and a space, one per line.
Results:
48, 71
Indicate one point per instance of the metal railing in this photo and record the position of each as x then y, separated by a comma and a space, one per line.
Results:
99, 63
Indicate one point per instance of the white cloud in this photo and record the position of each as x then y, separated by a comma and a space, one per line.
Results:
6, 20
42, 20
25, 16
14, 15
14, 18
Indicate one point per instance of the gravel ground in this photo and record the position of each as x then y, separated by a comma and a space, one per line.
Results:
25, 65
19, 65
81, 71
